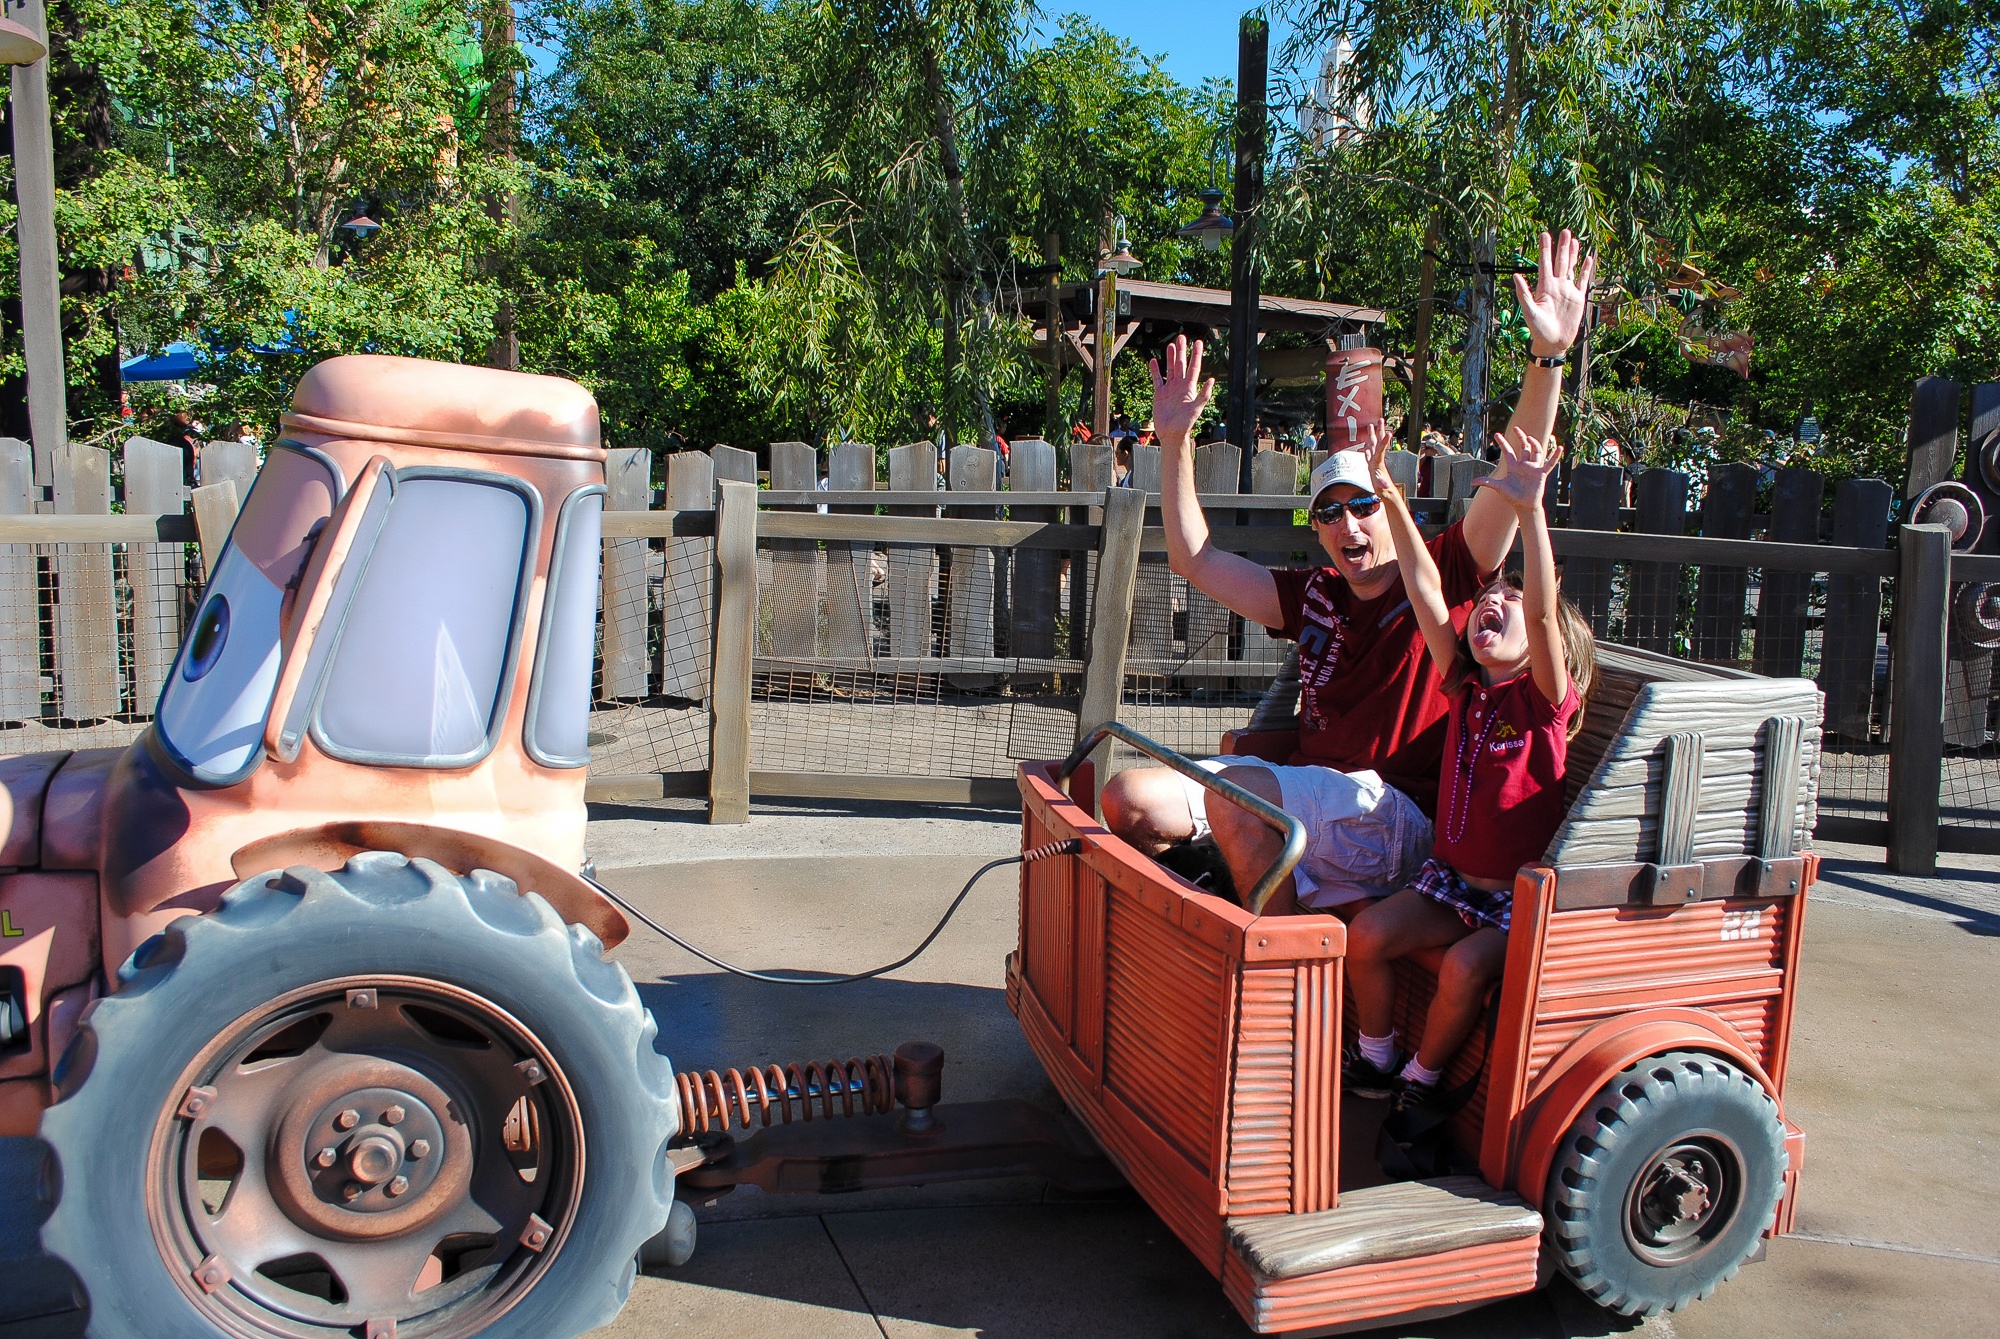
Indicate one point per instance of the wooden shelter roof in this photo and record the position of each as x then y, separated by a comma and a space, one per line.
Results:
1153, 301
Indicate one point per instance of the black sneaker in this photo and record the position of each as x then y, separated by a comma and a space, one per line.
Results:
1409, 1104
1361, 1077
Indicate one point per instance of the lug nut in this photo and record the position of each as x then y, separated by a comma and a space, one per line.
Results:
347, 1119
420, 1149
327, 1156
350, 1191
393, 1116
397, 1186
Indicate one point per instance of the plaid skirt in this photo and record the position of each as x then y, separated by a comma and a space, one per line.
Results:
1475, 906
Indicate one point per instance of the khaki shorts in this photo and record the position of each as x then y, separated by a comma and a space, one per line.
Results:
1364, 838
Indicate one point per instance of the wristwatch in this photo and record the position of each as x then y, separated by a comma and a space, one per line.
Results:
1556, 360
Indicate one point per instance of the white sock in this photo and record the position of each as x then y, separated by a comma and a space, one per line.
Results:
1378, 1051
1417, 1074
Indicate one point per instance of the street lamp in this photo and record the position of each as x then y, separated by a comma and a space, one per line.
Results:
1111, 265
19, 45
1213, 226
362, 226
1119, 260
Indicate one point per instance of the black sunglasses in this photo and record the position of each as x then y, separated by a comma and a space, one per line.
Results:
1327, 513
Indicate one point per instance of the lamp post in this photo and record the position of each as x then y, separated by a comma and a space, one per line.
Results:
1114, 260
1240, 409
24, 45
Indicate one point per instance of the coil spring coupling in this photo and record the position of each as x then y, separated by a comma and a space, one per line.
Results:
712, 1102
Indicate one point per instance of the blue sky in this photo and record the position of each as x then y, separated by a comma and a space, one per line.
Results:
1196, 40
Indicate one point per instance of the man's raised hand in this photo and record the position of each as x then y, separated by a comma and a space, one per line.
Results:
1526, 464
1180, 395
1553, 309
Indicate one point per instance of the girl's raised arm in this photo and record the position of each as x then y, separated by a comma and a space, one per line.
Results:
1529, 464
1420, 574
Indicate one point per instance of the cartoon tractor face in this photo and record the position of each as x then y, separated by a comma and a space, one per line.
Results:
367, 1071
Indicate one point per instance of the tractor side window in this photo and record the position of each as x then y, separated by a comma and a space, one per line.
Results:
420, 673
212, 707
559, 702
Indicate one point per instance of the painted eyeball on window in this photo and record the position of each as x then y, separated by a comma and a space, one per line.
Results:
211, 631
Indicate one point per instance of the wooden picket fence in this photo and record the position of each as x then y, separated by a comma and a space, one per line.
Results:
910, 632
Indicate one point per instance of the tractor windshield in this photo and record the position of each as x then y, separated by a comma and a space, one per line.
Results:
211, 713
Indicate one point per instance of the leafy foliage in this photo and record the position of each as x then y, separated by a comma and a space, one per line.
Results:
746, 220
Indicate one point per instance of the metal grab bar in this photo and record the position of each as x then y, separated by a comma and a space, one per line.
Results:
1293, 830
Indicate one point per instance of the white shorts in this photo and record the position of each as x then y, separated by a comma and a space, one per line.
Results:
1364, 838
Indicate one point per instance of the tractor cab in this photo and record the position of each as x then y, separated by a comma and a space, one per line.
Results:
1624, 1118
398, 632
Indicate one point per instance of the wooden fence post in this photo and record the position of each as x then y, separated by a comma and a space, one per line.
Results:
735, 642
1916, 697
88, 685
1037, 573
1092, 469
1719, 591
1111, 616
628, 475
797, 566
1272, 474
1661, 499
234, 461
1153, 593
912, 567
1781, 603
20, 593
153, 486
969, 622
1854, 610
1596, 492
215, 508
1933, 433
1218, 468
686, 617
850, 567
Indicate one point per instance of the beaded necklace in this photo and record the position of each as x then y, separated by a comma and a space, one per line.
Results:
1462, 767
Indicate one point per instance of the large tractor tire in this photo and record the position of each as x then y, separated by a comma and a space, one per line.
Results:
1665, 1183
386, 1100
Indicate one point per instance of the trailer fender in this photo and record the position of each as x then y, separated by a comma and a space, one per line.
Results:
1581, 1069
328, 846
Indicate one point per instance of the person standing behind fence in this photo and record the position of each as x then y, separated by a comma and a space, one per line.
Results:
1372, 718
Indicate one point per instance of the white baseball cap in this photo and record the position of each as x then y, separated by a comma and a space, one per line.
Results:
1342, 467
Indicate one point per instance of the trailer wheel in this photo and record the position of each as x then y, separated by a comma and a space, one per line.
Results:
1665, 1183
386, 1098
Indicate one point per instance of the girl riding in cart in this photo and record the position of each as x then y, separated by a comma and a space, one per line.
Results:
1516, 663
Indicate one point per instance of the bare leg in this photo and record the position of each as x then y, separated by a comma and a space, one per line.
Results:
1249, 845
1391, 929
1147, 807
1469, 971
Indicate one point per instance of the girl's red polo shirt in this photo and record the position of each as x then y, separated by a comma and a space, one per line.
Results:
1500, 797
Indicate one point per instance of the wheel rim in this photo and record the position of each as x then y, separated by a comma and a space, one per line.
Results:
1684, 1198
365, 1156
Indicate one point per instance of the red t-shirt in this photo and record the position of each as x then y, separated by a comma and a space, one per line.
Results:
1501, 796
1368, 694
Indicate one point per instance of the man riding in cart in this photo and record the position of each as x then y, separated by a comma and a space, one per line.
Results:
1371, 712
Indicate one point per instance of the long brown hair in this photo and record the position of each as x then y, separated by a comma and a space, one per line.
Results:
1579, 650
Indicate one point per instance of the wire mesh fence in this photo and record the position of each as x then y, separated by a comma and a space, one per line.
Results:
914, 659
87, 634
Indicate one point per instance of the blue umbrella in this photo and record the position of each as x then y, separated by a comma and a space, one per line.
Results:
176, 362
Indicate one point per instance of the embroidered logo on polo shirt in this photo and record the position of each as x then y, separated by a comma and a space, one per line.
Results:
1505, 740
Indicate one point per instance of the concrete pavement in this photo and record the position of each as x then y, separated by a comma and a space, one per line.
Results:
1892, 1077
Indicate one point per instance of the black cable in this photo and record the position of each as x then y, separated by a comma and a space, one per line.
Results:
1070, 847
